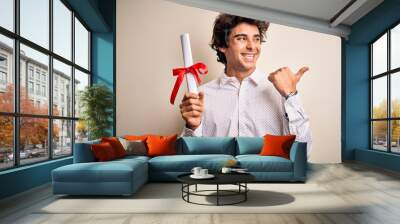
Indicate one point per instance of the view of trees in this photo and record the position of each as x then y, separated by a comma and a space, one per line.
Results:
34, 131
81, 130
380, 127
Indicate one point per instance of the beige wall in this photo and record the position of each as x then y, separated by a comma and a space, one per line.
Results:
148, 47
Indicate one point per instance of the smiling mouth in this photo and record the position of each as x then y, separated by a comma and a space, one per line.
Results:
249, 56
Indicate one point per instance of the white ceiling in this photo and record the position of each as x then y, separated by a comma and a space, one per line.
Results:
320, 9
326, 16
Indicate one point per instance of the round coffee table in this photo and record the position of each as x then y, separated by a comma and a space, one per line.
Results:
238, 179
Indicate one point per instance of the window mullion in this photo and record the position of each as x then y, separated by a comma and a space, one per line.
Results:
50, 81
16, 84
389, 106
73, 82
371, 140
89, 55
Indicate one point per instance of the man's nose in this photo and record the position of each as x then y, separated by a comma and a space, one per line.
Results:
250, 44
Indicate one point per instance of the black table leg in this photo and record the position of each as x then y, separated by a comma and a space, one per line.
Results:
217, 194
182, 190
245, 193
188, 190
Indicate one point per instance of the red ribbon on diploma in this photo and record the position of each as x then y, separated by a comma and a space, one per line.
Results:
196, 69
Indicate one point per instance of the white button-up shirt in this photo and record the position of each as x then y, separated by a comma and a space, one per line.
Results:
251, 108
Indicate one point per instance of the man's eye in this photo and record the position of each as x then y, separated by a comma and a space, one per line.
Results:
241, 38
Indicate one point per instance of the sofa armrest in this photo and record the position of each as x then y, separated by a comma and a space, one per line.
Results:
298, 155
83, 152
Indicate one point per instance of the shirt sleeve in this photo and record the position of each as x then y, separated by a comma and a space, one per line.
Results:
187, 132
298, 121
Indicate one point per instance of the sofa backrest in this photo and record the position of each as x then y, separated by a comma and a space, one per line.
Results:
206, 145
190, 146
249, 145
83, 152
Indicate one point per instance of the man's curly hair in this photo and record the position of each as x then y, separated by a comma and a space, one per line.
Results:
223, 25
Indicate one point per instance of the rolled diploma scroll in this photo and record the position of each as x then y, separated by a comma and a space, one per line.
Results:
188, 61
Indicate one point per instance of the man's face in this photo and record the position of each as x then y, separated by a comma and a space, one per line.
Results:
244, 46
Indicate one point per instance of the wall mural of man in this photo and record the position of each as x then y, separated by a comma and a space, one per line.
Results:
244, 101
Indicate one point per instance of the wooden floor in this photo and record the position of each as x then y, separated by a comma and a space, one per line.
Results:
353, 182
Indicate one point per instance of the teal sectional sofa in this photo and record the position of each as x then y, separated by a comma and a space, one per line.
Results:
125, 176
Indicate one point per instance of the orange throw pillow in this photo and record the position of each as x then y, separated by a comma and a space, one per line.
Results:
116, 145
275, 145
161, 145
103, 152
136, 137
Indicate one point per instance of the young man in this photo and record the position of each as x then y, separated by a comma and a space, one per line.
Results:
245, 101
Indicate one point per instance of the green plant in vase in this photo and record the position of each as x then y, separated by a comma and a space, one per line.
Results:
96, 102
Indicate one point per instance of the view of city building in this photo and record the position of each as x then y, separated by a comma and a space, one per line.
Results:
34, 82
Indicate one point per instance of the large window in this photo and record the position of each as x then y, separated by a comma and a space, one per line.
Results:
385, 91
44, 64
7, 14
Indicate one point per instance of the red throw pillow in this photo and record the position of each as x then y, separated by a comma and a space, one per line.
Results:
116, 145
161, 145
275, 145
103, 152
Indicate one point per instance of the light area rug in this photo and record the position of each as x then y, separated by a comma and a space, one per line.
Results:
167, 198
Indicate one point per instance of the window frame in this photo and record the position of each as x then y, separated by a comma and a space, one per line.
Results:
3, 77
388, 74
15, 72
3, 70
5, 58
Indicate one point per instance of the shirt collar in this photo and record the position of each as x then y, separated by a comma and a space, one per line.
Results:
226, 79
256, 77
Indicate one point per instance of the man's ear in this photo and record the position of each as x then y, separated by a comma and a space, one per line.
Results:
222, 49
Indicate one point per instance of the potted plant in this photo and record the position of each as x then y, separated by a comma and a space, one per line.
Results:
96, 102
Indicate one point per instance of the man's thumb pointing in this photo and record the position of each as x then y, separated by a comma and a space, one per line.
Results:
301, 72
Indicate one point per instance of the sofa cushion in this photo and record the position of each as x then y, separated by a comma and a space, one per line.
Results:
103, 152
257, 163
185, 163
136, 137
132, 158
111, 171
277, 145
161, 145
116, 145
207, 145
134, 147
249, 145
